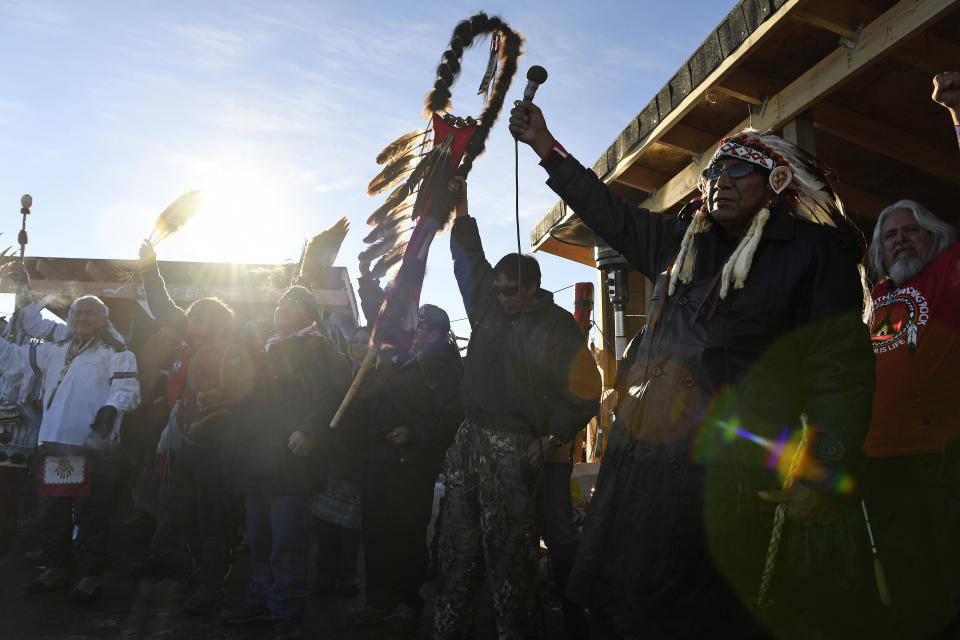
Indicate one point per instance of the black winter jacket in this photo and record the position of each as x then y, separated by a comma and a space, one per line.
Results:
531, 375
676, 504
422, 394
299, 385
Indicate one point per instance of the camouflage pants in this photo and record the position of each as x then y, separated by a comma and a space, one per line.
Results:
488, 521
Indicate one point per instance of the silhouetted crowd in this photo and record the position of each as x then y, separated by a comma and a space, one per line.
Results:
784, 462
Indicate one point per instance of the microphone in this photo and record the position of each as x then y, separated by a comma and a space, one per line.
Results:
536, 76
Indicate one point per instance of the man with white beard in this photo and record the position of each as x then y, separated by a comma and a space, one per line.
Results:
912, 479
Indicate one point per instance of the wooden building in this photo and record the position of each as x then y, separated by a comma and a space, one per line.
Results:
251, 290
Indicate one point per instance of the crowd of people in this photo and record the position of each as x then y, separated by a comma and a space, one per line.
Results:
784, 462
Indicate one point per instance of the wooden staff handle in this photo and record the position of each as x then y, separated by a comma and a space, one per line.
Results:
368, 360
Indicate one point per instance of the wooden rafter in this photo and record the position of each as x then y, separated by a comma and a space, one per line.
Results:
886, 140
642, 178
745, 86
864, 202
842, 17
928, 53
687, 139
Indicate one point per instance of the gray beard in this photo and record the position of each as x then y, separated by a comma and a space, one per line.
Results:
905, 269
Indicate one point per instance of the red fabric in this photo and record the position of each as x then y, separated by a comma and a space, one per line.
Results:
583, 303
916, 406
556, 146
397, 321
461, 136
65, 490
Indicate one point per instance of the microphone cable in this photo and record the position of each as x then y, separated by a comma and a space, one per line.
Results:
523, 326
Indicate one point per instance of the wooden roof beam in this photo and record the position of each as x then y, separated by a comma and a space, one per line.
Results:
745, 86
927, 51
898, 24
842, 17
866, 203
886, 140
687, 140
642, 178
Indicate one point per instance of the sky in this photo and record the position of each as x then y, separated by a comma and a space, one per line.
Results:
276, 111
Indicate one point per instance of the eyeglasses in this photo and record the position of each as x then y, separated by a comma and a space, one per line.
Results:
509, 290
735, 171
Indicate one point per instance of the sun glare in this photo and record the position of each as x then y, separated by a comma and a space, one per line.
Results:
242, 220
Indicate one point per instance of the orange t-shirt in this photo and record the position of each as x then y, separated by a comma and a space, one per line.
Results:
916, 339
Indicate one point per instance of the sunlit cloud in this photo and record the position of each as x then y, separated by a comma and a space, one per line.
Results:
214, 44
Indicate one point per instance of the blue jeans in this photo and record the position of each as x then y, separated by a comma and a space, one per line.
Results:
279, 545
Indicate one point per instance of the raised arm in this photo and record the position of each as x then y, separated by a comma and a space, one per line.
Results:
646, 239
371, 297
470, 266
39, 327
159, 302
946, 92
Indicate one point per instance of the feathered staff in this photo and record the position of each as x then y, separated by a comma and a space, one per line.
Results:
422, 200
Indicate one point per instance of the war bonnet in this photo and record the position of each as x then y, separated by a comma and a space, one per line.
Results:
794, 176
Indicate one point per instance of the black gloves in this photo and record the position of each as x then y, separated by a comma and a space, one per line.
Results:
103, 423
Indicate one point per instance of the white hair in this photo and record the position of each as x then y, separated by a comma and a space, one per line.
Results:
108, 334
942, 233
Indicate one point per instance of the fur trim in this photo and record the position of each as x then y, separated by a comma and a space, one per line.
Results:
682, 268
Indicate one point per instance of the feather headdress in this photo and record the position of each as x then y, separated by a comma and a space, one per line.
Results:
794, 176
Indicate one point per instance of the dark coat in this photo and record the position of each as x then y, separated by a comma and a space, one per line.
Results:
675, 519
531, 374
299, 385
422, 394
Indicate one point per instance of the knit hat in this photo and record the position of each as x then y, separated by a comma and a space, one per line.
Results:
434, 317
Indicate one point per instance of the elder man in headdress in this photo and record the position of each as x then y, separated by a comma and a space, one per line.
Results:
913, 447
755, 322
89, 382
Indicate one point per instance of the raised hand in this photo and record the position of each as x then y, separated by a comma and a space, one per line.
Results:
528, 125
946, 92
458, 187
148, 257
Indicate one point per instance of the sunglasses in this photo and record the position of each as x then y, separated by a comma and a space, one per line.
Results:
735, 171
510, 290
